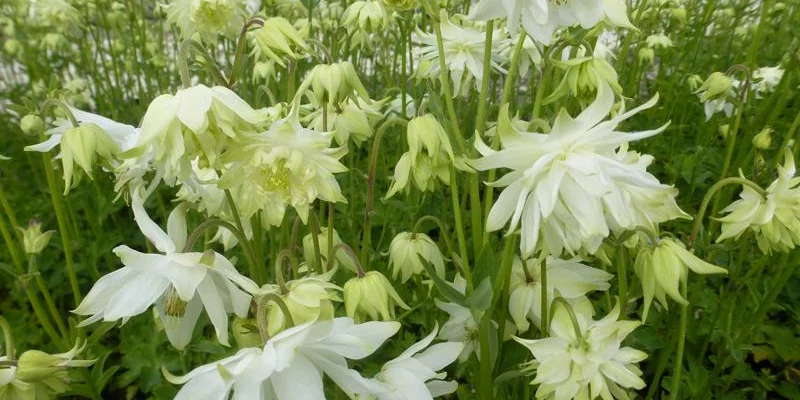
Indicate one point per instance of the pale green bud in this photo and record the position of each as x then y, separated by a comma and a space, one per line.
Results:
724, 130
81, 145
715, 86
679, 14
33, 239
763, 139
694, 81
245, 332
646, 55
335, 83
278, 41
12, 46
426, 134
409, 250
49, 370
368, 16
371, 295
31, 124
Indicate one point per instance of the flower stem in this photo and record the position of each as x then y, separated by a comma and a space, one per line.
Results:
33, 270
444, 78
442, 230
462, 241
8, 337
678, 363
572, 317
543, 300
261, 317
315, 234
248, 250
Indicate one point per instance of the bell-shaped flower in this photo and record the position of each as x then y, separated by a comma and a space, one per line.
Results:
575, 185
568, 279
368, 16
291, 364
463, 46
48, 372
351, 120
195, 122
583, 74
307, 299
332, 84
207, 18
542, 18
180, 284
33, 239
587, 361
277, 41
774, 218
371, 294
663, 267
429, 157
286, 165
414, 374
409, 250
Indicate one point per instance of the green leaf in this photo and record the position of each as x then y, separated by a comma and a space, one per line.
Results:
445, 288
481, 298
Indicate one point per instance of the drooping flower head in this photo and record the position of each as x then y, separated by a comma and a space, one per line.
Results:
409, 250
277, 41
180, 284
427, 160
570, 188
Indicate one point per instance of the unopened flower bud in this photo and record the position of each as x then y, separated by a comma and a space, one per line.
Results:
371, 295
646, 55
340, 257
31, 124
679, 15
245, 331
37, 367
717, 85
334, 83
763, 139
723, 131
33, 239
81, 145
409, 250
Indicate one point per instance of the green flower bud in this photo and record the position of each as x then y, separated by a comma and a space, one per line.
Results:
334, 83
341, 258
31, 124
723, 131
371, 295
12, 46
245, 331
763, 139
277, 41
646, 55
717, 85
33, 239
81, 145
409, 250
679, 15
49, 370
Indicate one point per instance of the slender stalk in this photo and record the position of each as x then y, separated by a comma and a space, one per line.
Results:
246, 248
572, 317
442, 229
316, 232
8, 337
444, 78
373, 165
48, 299
622, 275
462, 241
261, 315
678, 363
698, 220
543, 299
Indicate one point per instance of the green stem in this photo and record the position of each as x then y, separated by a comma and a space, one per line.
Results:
210, 224
698, 220
48, 299
462, 241
315, 234
63, 226
572, 317
622, 275
8, 337
282, 255
678, 363
246, 248
444, 78
261, 315
545, 320
442, 230
373, 165
58, 103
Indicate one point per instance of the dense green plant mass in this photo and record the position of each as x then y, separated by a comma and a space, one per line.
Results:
399, 199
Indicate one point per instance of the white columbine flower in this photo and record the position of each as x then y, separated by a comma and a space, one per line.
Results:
195, 122
414, 374
585, 366
659, 41
125, 136
180, 284
542, 18
765, 79
286, 165
775, 220
463, 53
566, 278
208, 18
291, 364
462, 326
571, 187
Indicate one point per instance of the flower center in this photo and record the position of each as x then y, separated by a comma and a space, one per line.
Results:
174, 306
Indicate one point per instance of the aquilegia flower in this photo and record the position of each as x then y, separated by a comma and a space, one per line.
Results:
286, 165
662, 268
180, 284
774, 219
208, 18
566, 278
409, 250
575, 185
291, 364
541, 18
586, 364
463, 53
766, 79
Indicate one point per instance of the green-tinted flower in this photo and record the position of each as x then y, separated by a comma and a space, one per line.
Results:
409, 250
428, 157
663, 267
716, 86
341, 258
368, 16
371, 295
400, 5
277, 40
307, 299
207, 18
332, 84
646, 55
47, 373
81, 145
583, 75
33, 239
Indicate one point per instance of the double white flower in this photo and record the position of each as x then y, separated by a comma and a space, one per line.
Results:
775, 220
180, 284
542, 18
576, 184
587, 361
